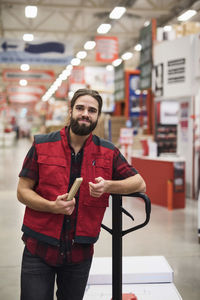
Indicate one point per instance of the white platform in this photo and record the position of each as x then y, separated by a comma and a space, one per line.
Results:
136, 269
148, 277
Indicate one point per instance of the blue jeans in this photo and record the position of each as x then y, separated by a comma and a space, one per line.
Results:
38, 279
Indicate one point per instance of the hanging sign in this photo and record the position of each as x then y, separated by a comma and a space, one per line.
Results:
106, 48
23, 98
2, 98
126, 136
40, 52
147, 35
62, 90
119, 82
30, 89
77, 75
33, 75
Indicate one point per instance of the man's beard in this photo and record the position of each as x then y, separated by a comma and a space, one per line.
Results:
82, 129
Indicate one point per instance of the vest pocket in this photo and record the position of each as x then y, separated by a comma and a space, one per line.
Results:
52, 170
101, 168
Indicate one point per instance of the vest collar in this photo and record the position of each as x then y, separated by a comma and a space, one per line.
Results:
64, 132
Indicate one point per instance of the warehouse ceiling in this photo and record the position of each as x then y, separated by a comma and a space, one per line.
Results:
76, 21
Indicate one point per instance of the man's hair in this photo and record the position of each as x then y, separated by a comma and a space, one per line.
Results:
83, 92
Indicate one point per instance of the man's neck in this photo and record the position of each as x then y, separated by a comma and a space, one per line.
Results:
77, 141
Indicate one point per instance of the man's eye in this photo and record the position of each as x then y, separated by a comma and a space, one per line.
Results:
79, 107
92, 110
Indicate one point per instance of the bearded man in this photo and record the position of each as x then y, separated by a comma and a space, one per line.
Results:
59, 235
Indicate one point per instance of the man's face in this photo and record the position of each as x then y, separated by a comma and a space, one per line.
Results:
84, 115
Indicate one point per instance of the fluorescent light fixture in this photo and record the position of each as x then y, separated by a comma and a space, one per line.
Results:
137, 92
167, 28
52, 100
81, 54
66, 72
58, 82
63, 76
53, 88
109, 68
70, 94
103, 28
187, 15
23, 82
117, 12
75, 61
28, 37
25, 67
31, 11
117, 62
146, 23
89, 45
44, 98
138, 47
69, 67
127, 55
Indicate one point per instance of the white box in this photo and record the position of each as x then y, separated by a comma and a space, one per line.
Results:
136, 269
161, 291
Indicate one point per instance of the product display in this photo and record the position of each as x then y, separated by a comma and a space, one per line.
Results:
166, 138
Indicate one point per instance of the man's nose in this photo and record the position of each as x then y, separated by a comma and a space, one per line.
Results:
85, 112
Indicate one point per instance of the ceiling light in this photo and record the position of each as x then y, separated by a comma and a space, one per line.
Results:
28, 37
187, 15
66, 72
138, 47
117, 62
69, 67
58, 82
25, 67
52, 100
127, 55
146, 23
23, 82
109, 68
81, 54
44, 98
64, 75
70, 94
167, 28
75, 61
31, 11
137, 92
53, 88
89, 45
117, 12
103, 28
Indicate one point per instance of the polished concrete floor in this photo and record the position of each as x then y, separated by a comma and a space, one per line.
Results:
172, 234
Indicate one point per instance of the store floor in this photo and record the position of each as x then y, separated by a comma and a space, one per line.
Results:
172, 234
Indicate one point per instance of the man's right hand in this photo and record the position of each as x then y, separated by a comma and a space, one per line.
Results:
27, 196
62, 206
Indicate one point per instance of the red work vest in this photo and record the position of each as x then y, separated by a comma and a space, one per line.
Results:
54, 161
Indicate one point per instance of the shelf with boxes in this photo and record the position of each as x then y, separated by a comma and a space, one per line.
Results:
166, 138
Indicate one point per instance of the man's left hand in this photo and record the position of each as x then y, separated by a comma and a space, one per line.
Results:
98, 188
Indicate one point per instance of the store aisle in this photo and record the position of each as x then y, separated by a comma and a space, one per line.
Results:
169, 233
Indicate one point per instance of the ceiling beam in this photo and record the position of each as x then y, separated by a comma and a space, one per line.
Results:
75, 33
91, 9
